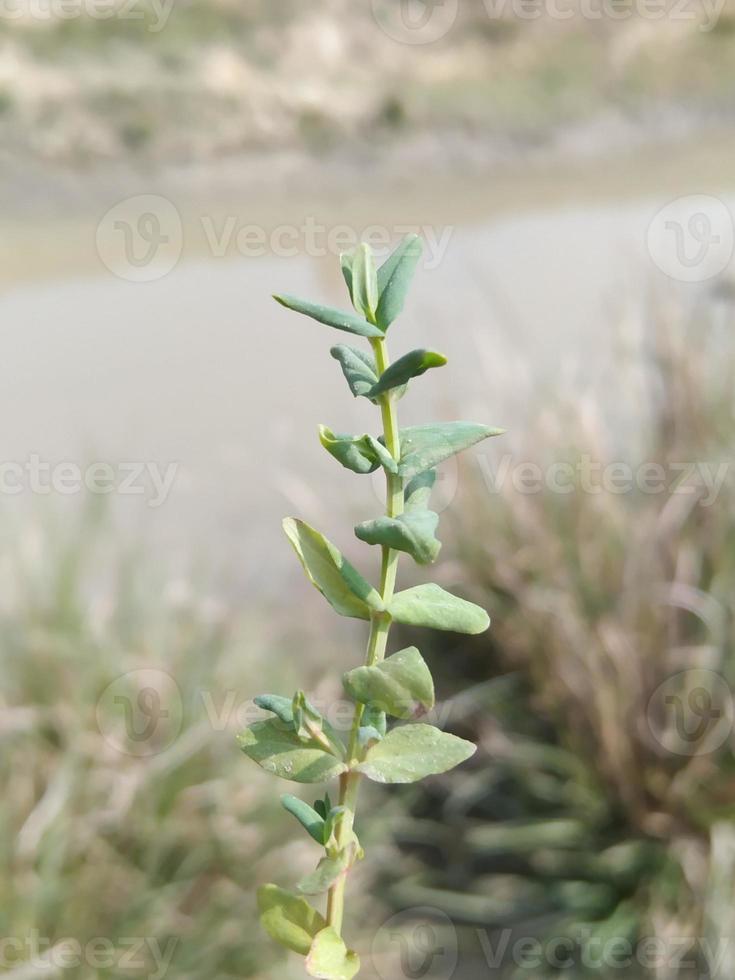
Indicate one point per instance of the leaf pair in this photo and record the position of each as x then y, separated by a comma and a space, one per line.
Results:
378, 296
297, 744
361, 371
350, 595
412, 531
292, 922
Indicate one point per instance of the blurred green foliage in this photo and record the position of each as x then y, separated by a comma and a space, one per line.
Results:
579, 820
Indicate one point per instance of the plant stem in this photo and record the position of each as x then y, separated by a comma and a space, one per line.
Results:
379, 629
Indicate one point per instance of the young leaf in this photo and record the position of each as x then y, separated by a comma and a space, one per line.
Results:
425, 446
321, 880
411, 365
374, 718
353, 452
281, 707
306, 815
361, 454
402, 685
339, 319
412, 532
358, 367
430, 605
283, 753
411, 752
327, 569
329, 958
345, 263
309, 725
394, 278
289, 919
364, 282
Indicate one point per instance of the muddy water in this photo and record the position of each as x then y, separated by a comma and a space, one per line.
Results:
199, 371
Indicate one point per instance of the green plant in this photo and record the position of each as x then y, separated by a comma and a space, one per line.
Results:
298, 743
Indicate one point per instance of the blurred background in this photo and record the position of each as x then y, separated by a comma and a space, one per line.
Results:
165, 165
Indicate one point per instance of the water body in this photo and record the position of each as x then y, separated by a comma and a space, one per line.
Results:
200, 375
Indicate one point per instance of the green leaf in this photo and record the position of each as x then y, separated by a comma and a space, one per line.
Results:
306, 815
430, 605
289, 919
345, 263
321, 880
364, 282
361, 454
329, 958
358, 367
281, 707
425, 446
394, 278
412, 532
355, 453
418, 491
280, 751
330, 572
339, 319
411, 365
411, 752
402, 685
374, 718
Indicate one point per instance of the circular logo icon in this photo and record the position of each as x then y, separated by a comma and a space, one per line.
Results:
692, 238
140, 239
691, 713
141, 712
415, 21
415, 943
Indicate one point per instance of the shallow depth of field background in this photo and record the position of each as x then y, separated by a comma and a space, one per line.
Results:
163, 169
